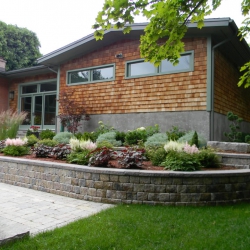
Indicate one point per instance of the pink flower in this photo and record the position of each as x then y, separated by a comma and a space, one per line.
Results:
14, 142
190, 149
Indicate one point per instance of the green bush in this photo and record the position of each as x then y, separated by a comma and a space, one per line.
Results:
48, 142
109, 137
15, 150
247, 138
234, 135
120, 136
104, 144
135, 137
208, 158
32, 140
175, 133
79, 157
195, 140
188, 138
151, 130
156, 155
181, 161
63, 137
156, 140
47, 134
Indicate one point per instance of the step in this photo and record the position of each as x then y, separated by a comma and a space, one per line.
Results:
235, 160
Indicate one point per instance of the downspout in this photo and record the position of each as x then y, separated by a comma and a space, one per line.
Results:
212, 85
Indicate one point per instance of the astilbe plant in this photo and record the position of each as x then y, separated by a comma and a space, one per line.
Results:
71, 113
15, 147
131, 157
190, 149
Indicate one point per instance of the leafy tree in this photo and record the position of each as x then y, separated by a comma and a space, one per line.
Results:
18, 46
167, 18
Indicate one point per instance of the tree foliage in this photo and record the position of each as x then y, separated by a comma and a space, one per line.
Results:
18, 46
167, 18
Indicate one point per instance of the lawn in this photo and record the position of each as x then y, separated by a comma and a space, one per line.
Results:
150, 227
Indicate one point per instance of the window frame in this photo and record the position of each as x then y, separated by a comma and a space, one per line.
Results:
90, 69
158, 69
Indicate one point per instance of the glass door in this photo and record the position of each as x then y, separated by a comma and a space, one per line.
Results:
41, 111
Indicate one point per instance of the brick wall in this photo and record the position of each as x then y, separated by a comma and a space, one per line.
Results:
14, 83
227, 95
4, 94
128, 186
174, 92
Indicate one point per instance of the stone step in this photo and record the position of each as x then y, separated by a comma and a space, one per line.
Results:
236, 160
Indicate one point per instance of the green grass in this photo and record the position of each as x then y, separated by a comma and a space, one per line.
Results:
150, 227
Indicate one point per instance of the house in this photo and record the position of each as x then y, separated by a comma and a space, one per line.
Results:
119, 88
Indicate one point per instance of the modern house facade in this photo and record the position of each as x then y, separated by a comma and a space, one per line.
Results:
119, 88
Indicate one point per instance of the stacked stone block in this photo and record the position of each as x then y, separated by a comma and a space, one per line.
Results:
128, 186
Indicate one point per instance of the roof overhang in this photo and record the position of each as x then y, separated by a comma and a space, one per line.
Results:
219, 29
20, 73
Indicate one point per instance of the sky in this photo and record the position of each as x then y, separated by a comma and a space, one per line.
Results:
60, 22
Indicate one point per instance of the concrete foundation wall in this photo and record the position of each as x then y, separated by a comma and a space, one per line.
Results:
185, 120
221, 125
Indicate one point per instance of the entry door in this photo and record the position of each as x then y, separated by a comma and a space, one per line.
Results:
41, 110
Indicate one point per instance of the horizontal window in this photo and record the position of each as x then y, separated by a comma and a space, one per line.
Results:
139, 68
97, 74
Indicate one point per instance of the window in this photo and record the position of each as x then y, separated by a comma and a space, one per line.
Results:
97, 74
139, 68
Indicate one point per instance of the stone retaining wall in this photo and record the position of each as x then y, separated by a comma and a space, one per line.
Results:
128, 186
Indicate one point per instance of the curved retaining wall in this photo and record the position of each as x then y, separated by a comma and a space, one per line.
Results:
128, 186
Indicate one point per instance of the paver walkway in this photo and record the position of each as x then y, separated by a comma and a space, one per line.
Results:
25, 210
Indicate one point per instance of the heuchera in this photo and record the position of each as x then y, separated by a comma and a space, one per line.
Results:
14, 142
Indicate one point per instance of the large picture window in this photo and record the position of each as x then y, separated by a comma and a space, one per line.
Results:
140, 68
88, 75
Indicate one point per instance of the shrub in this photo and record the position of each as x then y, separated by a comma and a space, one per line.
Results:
174, 146
234, 135
31, 140
156, 140
131, 157
135, 137
101, 157
156, 155
72, 112
48, 142
120, 136
109, 137
188, 138
195, 140
9, 123
41, 151
151, 130
102, 129
15, 150
61, 151
181, 161
81, 158
247, 138
47, 134
63, 137
175, 133
208, 158
105, 144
